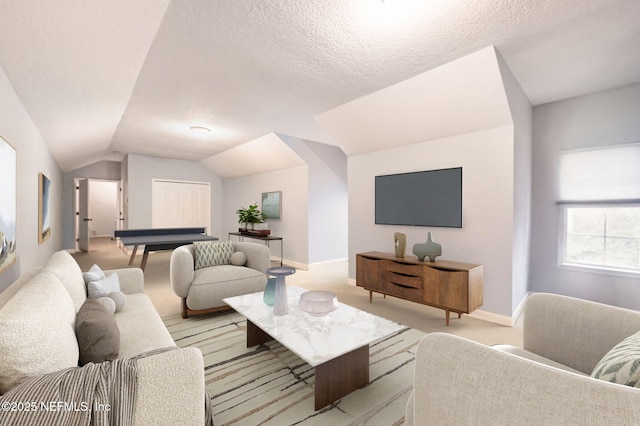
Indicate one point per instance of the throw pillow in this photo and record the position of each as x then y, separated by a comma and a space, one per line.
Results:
104, 286
238, 258
622, 363
212, 253
93, 274
108, 303
97, 333
119, 298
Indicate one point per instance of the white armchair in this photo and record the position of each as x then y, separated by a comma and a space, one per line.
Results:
458, 381
202, 290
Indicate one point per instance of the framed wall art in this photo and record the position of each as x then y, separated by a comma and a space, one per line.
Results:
272, 204
8, 202
44, 208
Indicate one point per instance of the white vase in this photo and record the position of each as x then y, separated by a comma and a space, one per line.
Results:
280, 305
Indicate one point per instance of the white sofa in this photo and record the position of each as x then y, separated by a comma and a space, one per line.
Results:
548, 382
37, 318
202, 290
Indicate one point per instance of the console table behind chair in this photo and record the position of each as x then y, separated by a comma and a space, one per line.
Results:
159, 239
265, 238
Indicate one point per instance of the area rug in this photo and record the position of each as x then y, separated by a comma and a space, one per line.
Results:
270, 385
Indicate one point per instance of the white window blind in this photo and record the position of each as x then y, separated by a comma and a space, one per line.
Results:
601, 174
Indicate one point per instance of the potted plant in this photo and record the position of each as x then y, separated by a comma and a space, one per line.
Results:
250, 216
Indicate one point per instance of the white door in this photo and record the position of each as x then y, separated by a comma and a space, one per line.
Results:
178, 204
83, 215
120, 222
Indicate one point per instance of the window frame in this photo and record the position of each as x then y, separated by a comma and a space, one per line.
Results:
563, 214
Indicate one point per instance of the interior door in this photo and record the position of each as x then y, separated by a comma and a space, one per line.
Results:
83, 215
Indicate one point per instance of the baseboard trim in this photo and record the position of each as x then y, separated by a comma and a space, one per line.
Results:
305, 266
509, 321
324, 262
289, 262
492, 317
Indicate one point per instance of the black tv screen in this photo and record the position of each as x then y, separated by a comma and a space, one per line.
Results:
428, 198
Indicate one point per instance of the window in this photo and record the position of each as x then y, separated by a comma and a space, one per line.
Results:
606, 237
599, 192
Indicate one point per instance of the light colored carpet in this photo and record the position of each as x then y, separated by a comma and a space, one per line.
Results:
268, 384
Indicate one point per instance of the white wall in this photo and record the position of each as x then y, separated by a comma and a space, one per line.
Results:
488, 185
33, 157
328, 199
605, 118
293, 227
522, 117
141, 170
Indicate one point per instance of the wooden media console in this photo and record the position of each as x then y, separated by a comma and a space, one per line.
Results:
452, 286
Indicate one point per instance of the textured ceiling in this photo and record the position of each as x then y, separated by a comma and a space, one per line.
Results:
132, 77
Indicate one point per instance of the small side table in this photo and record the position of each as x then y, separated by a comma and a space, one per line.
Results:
280, 305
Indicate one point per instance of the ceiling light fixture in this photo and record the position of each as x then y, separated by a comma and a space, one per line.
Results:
200, 129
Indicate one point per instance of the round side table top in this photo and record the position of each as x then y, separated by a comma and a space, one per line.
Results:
281, 271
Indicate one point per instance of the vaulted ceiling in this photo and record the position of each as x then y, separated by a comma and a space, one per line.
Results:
102, 79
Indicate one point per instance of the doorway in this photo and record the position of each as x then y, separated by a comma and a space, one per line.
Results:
98, 214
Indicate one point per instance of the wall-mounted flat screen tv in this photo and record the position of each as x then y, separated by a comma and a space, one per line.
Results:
428, 198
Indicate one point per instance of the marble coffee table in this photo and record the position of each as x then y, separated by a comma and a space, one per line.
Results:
336, 345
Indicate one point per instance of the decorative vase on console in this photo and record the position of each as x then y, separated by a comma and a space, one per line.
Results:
430, 249
400, 241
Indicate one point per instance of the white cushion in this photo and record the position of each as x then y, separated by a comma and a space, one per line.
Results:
104, 286
66, 269
93, 274
238, 258
119, 299
108, 303
37, 331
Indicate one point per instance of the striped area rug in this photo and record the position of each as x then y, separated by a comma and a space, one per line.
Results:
270, 385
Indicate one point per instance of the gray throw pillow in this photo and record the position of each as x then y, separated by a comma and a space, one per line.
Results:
97, 333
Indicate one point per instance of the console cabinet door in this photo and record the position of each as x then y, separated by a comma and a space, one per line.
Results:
455, 293
370, 273
446, 288
434, 280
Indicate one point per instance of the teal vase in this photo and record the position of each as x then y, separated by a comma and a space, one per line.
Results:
269, 291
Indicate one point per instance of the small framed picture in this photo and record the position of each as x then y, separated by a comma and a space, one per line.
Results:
44, 208
272, 204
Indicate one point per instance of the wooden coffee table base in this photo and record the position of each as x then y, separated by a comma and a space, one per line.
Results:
335, 378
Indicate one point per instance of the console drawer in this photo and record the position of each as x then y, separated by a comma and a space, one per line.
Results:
404, 268
399, 290
404, 280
